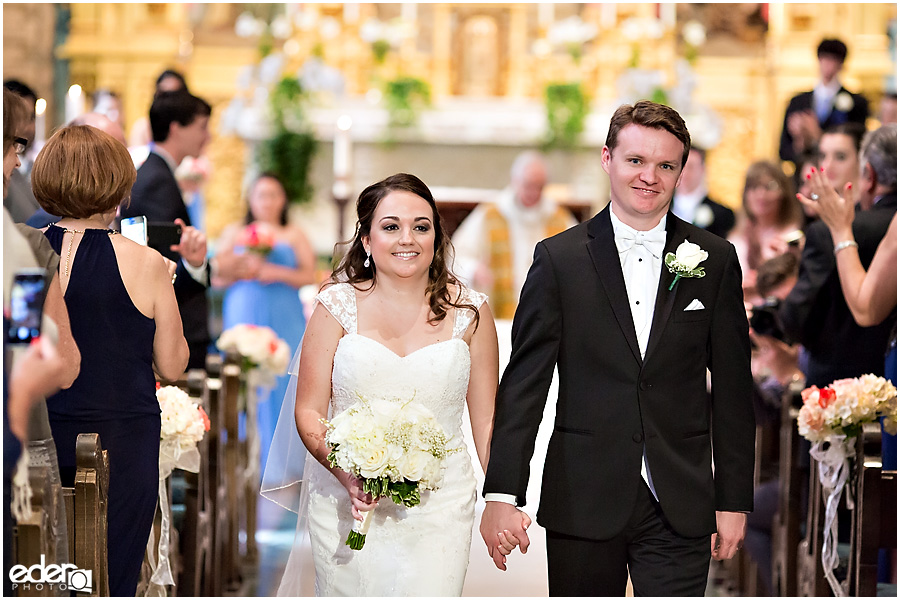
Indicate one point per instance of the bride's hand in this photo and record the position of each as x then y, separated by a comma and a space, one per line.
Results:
359, 500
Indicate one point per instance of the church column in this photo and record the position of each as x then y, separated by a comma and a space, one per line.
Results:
443, 36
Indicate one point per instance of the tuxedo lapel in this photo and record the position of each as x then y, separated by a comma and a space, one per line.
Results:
605, 255
665, 299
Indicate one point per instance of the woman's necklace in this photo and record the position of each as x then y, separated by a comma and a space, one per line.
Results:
72, 241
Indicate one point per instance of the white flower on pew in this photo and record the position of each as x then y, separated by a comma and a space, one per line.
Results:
259, 346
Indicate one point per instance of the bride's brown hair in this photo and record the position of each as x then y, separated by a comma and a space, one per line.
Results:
352, 267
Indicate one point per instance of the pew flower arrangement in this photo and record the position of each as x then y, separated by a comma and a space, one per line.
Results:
831, 418
259, 347
396, 447
184, 423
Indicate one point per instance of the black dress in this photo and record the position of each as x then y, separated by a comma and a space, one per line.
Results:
114, 395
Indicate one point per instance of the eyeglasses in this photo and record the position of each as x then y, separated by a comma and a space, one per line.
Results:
19, 144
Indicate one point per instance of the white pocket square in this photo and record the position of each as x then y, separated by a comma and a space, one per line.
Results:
695, 305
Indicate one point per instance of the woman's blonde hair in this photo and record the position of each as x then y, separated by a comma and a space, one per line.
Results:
82, 171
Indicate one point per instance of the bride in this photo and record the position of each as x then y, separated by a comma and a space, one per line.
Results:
394, 323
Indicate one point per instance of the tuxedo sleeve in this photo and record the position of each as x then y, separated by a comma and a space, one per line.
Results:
816, 266
536, 332
860, 111
733, 421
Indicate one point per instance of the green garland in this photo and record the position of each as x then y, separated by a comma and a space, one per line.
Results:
288, 154
404, 98
567, 109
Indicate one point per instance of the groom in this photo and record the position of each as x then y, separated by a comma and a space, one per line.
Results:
629, 484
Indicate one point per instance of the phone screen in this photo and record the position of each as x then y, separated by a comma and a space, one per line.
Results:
26, 305
135, 229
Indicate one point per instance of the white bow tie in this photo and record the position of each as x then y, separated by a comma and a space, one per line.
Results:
653, 241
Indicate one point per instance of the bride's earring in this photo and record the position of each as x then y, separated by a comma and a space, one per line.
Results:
368, 262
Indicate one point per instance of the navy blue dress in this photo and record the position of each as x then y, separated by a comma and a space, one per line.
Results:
114, 395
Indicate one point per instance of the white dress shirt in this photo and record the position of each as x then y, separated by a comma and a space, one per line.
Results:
640, 254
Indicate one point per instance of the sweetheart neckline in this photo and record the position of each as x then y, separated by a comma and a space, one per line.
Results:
376, 342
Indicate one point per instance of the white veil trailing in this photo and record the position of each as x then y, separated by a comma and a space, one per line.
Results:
283, 482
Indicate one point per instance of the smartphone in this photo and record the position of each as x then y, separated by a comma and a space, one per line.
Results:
29, 289
135, 229
163, 235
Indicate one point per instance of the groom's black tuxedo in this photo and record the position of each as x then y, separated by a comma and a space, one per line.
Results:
574, 314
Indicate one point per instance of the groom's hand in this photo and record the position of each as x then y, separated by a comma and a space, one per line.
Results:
730, 527
502, 529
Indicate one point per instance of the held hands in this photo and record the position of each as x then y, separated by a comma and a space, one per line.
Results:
731, 527
359, 500
192, 246
503, 527
836, 211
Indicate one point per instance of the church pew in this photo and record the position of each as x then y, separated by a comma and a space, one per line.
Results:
786, 524
195, 528
33, 536
87, 519
212, 578
874, 522
810, 574
232, 476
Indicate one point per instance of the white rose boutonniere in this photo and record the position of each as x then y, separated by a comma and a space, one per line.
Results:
843, 102
683, 262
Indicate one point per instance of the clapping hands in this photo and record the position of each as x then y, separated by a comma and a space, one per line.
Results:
835, 211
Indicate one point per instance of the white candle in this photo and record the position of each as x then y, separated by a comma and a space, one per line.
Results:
342, 147
40, 122
545, 14
667, 13
408, 12
74, 103
351, 12
608, 15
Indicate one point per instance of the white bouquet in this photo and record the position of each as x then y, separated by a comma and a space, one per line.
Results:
259, 346
396, 447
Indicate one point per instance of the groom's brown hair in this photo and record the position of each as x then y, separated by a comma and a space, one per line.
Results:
653, 115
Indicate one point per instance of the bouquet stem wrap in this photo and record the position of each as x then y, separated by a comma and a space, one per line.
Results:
172, 455
357, 537
834, 471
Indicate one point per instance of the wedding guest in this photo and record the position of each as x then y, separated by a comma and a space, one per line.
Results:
830, 103
887, 110
393, 325
871, 295
692, 202
263, 263
141, 134
124, 317
495, 243
839, 154
19, 199
771, 221
180, 128
816, 312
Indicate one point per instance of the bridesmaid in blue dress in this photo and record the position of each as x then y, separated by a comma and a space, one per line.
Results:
264, 290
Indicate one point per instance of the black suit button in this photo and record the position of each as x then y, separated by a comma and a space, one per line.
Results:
638, 438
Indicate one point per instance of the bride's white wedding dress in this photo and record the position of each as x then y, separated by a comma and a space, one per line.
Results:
418, 551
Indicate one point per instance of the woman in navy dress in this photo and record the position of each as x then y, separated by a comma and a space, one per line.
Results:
263, 287
125, 320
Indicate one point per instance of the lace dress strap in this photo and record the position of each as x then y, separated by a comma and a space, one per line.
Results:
340, 301
464, 316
